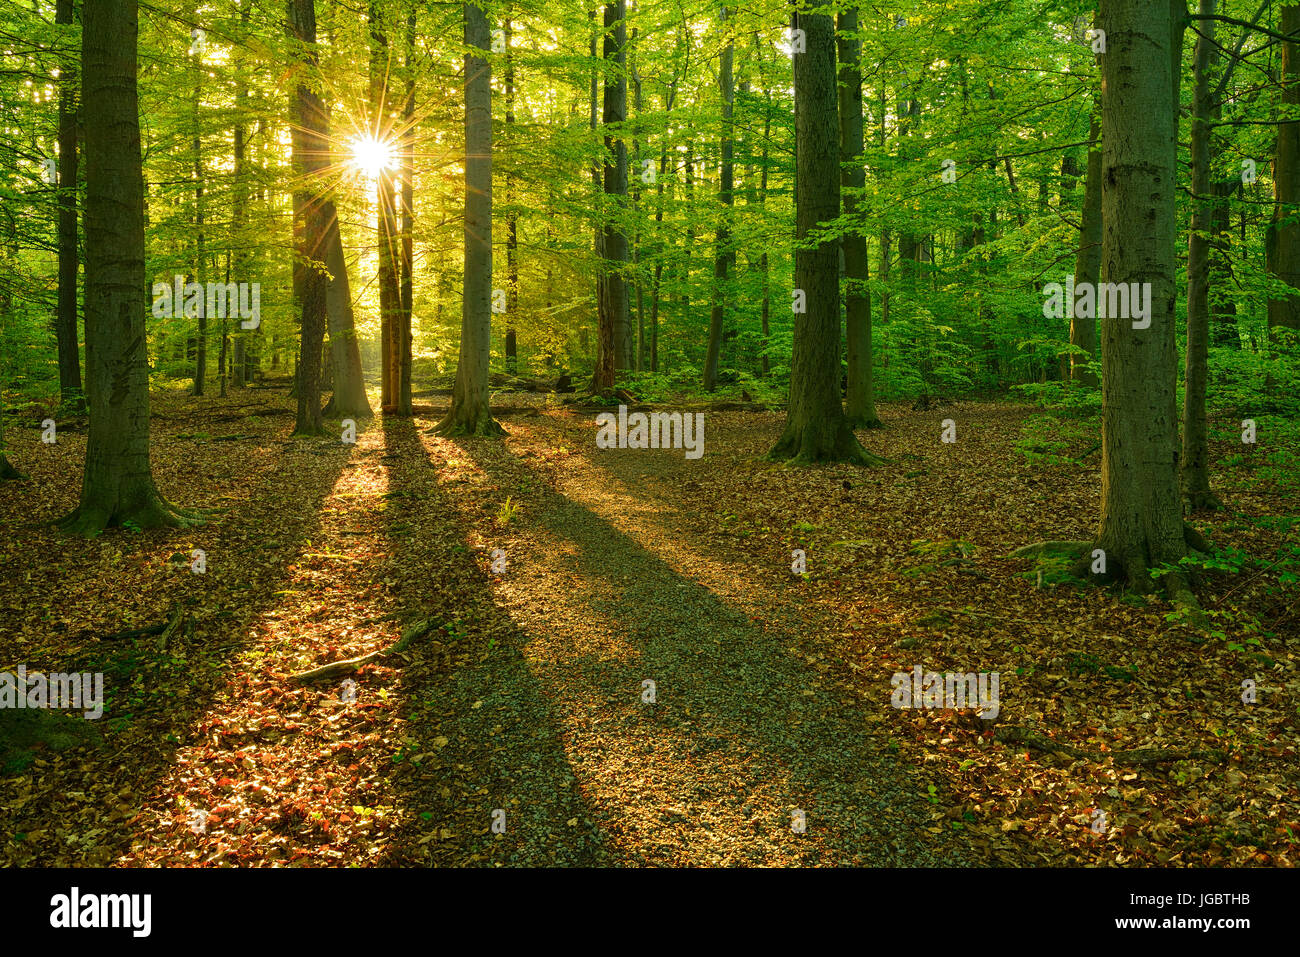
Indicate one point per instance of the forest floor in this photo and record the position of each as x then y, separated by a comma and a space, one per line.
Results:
771, 691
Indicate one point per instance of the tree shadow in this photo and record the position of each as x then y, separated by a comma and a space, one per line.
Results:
159, 688
473, 709
742, 736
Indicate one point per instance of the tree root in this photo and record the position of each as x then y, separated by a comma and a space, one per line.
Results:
165, 628
89, 520
811, 445
1017, 735
1056, 548
8, 472
352, 665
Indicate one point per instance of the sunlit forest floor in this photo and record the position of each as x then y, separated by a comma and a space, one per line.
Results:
771, 690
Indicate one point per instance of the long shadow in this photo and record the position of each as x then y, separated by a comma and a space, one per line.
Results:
474, 709
792, 744
157, 693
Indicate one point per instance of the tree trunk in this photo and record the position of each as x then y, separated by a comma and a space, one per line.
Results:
815, 427
614, 345
512, 224
240, 201
470, 413
201, 267
1223, 303
65, 324
723, 255
1283, 237
1141, 523
859, 403
7, 471
405, 293
117, 485
385, 219
1196, 453
1087, 262
310, 146
349, 398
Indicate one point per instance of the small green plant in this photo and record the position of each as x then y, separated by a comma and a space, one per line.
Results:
507, 512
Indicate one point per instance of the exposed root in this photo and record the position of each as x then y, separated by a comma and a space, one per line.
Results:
352, 665
1056, 548
811, 445
8, 472
88, 520
1015, 735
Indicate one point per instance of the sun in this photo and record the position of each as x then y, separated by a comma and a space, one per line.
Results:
371, 156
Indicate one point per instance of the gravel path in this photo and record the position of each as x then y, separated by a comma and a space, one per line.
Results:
605, 590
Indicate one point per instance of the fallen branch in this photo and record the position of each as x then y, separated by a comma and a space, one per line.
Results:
1015, 735
352, 665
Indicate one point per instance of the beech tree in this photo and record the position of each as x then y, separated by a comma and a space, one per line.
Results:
117, 483
859, 402
815, 427
614, 329
470, 413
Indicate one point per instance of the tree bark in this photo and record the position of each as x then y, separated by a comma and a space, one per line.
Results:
1087, 262
201, 266
65, 325
815, 427
117, 485
512, 223
859, 402
1196, 453
723, 255
1283, 237
310, 146
406, 191
470, 413
349, 398
1141, 523
614, 341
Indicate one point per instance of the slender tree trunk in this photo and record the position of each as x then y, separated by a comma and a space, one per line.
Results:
512, 223
239, 207
1196, 452
406, 190
385, 218
1223, 303
723, 256
859, 402
201, 268
349, 398
1087, 262
117, 485
815, 427
310, 146
1283, 237
65, 325
614, 345
470, 413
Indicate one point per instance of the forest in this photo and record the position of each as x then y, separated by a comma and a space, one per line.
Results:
651, 433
